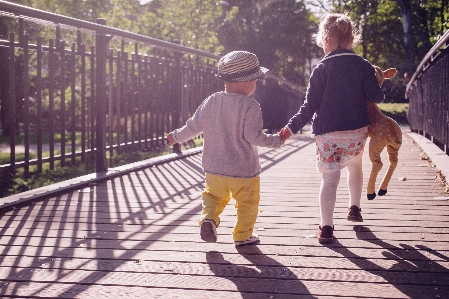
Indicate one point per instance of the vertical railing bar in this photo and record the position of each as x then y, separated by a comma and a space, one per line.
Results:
21, 31
118, 97
39, 102
183, 95
73, 100
186, 88
195, 86
157, 100
57, 37
111, 103
151, 100
26, 104
12, 102
176, 96
133, 100
167, 98
186, 75
125, 103
139, 97
208, 69
199, 91
51, 104
78, 41
62, 102
145, 100
161, 99
92, 104
82, 70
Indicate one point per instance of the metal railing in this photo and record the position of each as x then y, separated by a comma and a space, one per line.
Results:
428, 95
83, 92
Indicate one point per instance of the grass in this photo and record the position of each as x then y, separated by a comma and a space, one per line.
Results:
396, 111
10, 184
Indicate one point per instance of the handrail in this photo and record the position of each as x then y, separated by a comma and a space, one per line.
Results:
443, 41
21, 10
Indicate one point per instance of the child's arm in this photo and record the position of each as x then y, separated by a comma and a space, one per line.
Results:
252, 129
192, 128
311, 104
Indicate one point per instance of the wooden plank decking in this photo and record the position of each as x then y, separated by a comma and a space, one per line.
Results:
137, 236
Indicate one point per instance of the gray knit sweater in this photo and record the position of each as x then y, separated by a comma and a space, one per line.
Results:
231, 124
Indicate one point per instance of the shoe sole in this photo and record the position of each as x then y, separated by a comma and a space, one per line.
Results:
354, 219
325, 240
257, 241
207, 233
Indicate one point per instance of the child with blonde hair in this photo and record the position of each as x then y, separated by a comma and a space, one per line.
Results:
231, 123
336, 103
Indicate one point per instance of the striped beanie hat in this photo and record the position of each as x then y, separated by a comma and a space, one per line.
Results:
239, 66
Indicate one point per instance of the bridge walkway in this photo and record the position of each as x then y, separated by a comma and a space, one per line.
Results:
135, 235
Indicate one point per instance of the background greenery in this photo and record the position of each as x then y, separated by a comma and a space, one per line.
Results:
395, 33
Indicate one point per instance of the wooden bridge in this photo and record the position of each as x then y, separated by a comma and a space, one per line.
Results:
133, 233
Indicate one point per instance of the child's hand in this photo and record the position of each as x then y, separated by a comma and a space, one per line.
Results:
170, 139
285, 134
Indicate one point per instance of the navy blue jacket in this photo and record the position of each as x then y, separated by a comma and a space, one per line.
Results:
336, 96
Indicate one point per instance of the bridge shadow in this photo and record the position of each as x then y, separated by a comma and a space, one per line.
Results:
81, 238
409, 265
263, 278
71, 233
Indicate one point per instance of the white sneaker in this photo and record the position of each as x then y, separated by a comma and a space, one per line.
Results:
208, 231
251, 240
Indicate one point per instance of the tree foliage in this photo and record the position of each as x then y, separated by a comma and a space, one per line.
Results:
279, 32
397, 33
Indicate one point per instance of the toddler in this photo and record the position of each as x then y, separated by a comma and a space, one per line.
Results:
231, 123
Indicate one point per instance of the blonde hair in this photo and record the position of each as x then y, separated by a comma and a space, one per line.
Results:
337, 28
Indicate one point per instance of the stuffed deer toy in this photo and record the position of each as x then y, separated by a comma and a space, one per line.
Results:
383, 132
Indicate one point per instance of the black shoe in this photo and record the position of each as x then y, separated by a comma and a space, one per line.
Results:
325, 234
354, 214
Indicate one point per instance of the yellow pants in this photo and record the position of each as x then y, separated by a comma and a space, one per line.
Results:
246, 193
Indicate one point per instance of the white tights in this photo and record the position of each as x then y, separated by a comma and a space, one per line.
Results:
328, 190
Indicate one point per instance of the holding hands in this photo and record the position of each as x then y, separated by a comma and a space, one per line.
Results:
285, 134
170, 139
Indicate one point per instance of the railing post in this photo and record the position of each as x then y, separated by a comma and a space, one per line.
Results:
12, 103
101, 46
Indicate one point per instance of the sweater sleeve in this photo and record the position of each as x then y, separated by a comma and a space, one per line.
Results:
192, 128
311, 104
252, 130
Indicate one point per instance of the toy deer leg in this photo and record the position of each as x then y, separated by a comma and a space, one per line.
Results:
393, 150
376, 146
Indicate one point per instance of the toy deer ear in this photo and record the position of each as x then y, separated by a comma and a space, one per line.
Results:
389, 73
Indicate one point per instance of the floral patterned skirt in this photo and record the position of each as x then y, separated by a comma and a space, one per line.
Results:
335, 150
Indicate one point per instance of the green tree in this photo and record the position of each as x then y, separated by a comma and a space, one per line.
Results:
192, 23
279, 32
88, 10
397, 33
